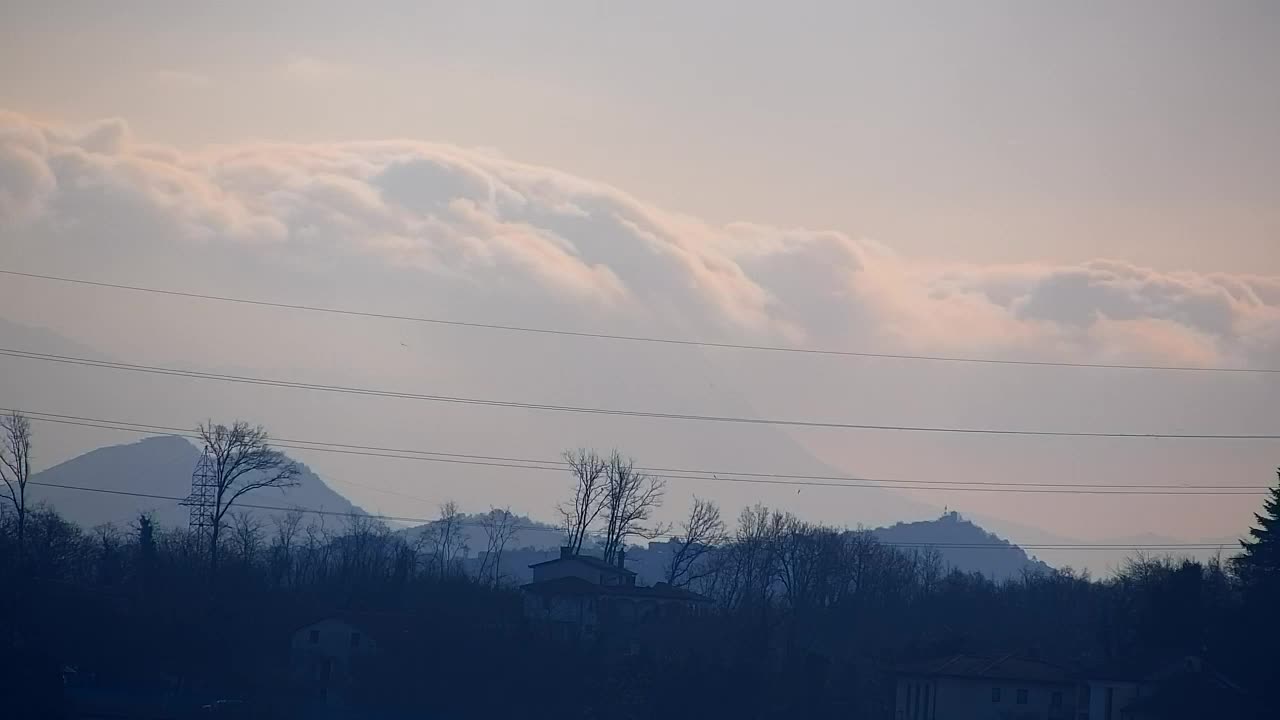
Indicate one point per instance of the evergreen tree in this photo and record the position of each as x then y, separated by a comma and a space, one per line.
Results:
1260, 561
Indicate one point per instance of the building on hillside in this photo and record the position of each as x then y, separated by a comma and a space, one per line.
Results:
972, 687
1187, 688
1107, 694
325, 655
577, 596
592, 569
1024, 687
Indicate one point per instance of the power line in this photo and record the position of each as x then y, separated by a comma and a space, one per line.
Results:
723, 475
372, 392
400, 518
627, 338
560, 467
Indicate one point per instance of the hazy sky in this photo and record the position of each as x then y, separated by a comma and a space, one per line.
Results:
1083, 181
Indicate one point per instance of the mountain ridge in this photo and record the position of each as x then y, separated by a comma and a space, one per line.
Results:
159, 465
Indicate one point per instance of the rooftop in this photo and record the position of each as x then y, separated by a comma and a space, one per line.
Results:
578, 586
593, 562
1004, 667
381, 626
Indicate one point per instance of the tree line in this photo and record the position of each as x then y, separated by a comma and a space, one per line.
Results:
808, 619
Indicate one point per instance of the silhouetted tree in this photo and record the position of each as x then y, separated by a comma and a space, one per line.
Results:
629, 500
582, 509
146, 534
146, 553
282, 544
446, 541
499, 526
15, 469
700, 533
243, 461
1259, 564
247, 536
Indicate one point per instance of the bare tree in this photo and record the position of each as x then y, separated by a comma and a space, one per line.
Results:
286, 533
499, 527
754, 562
580, 513
243, 461
446, 540
700, 533
15, 468
247, 536
630, 498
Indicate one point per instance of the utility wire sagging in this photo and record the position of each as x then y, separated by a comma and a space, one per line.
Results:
680, 474
655, 415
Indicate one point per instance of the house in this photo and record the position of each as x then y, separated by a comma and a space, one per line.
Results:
1024, 687
973, 687
591, 569
325, 655
1187, 688
1106, 695
577, 596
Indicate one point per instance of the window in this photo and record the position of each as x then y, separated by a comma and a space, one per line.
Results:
355, 640
314, 638
995, 694
1055, 700
1022, 696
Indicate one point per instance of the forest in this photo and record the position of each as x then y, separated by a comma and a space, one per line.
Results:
803, 619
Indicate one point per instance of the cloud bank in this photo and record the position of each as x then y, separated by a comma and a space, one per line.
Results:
473, 222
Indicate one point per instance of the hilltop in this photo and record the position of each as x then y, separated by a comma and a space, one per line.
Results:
159, 466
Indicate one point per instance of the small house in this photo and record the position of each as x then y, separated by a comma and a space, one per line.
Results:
973, 687
577, 596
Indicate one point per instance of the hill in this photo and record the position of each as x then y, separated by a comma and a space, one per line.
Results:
530, 534
979, 551
155, 466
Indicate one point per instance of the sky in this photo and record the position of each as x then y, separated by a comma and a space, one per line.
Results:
1083, 182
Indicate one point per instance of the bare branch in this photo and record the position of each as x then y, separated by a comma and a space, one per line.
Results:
499, 527
580, 513
700, 533
243, 462
15, 467
445, 537
630, 499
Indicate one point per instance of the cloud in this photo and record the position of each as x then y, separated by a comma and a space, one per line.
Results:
473, 224
315, 71
177, 80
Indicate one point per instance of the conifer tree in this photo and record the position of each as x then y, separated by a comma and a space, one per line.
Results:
1260, 561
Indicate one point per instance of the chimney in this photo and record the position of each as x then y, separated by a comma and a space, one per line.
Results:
566, 552
622, 558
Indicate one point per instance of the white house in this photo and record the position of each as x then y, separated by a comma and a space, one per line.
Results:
1023, 687
1109, 698
971, 687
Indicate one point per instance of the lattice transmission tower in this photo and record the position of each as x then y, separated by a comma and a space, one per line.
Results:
202, 503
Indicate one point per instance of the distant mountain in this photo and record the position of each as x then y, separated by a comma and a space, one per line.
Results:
156, 466
979, 551
530, 534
